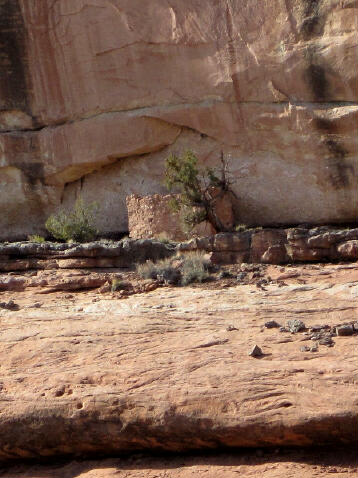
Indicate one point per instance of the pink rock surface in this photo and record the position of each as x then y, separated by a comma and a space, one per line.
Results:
116, 86
169, 369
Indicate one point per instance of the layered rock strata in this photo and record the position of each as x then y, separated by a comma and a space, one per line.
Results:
94, 95
279, 246
270, 246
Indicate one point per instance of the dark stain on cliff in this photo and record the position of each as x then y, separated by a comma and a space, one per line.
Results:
316, 74
312, 19
317, 80
23, 152
33, 171
325, 125
340, 171
13, 87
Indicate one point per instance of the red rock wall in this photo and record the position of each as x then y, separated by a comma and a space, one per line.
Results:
96, 94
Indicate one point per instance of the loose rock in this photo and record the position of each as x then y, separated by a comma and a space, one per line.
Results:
10, 305
327, 340
271, 324
256, 351
295, 326
230, 328
241, 276
344, 330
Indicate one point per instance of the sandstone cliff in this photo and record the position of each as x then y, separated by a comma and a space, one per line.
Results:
94, 95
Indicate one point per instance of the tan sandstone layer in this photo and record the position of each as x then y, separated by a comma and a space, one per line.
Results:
93, 373
95, 94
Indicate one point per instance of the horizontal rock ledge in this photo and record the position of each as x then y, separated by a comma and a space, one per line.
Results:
268, 246
114, 423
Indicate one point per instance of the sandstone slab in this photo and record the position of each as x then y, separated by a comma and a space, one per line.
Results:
90, 373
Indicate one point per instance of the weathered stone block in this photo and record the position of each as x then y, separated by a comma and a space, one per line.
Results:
348, 250
262, 241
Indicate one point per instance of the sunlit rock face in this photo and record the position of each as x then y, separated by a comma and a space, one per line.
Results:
95, 94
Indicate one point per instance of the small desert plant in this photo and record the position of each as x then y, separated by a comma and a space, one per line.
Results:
241, 228
162, 270
36, 238
118, 284
190, 267
147, 270
76, 225
163, 238
194, 268
198, 189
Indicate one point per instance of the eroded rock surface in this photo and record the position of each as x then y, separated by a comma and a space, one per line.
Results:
96, 94
93, 373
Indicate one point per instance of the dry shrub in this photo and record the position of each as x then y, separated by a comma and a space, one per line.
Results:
183, 269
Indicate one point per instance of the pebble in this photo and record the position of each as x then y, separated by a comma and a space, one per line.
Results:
241, 276
256, 351
344, 330
295, 325
326, 341
271, 324
229, 328
9, 305
317, 328
224, 275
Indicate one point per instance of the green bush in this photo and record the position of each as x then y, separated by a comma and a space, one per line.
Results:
36, 238
76, 225
197, 189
